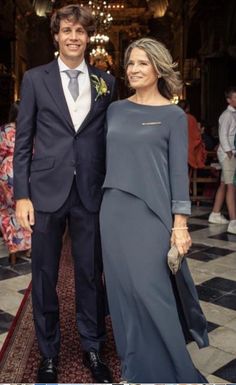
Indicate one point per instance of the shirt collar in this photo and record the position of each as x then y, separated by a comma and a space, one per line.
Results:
63, 67
232, 109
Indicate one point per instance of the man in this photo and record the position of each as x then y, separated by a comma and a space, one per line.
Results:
226, 155
59, 167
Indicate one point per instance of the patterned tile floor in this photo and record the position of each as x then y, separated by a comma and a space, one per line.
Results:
212, 261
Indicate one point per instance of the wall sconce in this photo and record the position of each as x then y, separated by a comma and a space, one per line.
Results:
158, 7
42, 7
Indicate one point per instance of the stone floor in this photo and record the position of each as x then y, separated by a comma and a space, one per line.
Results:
212, 261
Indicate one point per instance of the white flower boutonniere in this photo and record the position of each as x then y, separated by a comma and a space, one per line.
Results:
100, 86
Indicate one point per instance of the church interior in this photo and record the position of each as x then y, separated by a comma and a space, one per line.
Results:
201, 36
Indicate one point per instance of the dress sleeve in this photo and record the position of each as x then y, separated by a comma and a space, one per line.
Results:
178, 167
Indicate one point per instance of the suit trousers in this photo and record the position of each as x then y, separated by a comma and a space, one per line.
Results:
89, 290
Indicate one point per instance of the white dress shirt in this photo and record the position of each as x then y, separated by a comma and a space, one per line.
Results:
81, 106
227, 131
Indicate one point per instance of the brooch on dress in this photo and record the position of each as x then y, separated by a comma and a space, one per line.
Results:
150, 123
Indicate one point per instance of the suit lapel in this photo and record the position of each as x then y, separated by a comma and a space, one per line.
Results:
92, 71
54, 86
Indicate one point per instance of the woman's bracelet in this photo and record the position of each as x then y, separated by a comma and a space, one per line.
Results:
180, 228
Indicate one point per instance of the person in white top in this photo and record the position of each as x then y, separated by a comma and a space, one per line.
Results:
226, 156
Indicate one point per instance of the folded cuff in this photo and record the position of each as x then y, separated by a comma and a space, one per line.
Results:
181, 207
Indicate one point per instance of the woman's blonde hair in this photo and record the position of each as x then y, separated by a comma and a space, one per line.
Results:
169, 82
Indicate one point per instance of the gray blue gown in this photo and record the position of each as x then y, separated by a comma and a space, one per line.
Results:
146, 183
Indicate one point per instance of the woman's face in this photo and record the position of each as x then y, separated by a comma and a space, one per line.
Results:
140, 71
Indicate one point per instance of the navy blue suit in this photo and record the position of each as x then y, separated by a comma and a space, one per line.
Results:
62, 172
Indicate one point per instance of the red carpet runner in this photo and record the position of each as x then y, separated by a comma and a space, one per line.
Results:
20, 355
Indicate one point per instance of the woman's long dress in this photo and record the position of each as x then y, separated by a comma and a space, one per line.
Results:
15, 237
146, 182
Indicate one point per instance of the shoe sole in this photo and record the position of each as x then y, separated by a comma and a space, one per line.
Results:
218, 223
47, 380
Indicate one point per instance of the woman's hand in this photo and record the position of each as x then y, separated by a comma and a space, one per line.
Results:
181, 239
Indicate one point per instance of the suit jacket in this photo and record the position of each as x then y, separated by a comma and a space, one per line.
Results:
48, 150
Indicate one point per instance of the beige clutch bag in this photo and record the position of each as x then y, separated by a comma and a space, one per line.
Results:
174, 259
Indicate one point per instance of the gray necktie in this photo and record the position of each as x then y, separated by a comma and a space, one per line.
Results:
73, 85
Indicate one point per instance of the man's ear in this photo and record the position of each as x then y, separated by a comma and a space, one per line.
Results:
56, 37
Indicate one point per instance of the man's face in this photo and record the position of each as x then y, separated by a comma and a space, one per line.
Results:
232, 100
72, 40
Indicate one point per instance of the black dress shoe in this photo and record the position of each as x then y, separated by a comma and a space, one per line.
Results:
47, 372
98, 368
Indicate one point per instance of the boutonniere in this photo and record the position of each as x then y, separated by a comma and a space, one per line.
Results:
100, 86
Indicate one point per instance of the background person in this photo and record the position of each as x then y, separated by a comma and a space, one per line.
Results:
196, 147
226, 156
210, 142
16, 238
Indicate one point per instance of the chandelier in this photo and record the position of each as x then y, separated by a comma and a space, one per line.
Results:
102, 12
100, 58
99, 39
98, 51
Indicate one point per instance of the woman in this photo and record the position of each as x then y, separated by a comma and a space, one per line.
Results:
196, 148
146, 182
16, 238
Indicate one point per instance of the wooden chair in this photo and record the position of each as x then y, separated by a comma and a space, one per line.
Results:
198, 177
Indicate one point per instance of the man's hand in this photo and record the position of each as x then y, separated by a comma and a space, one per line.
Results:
25, 213
229, 154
